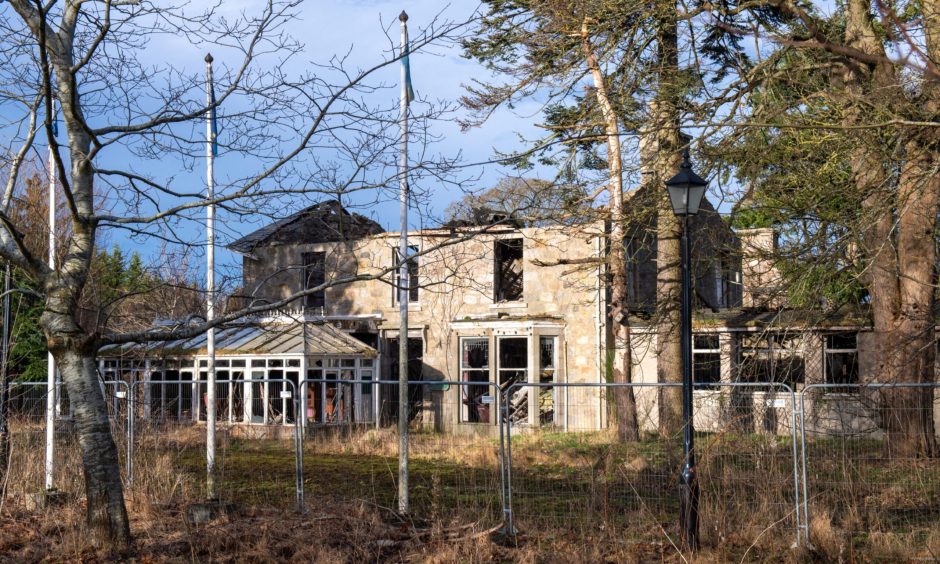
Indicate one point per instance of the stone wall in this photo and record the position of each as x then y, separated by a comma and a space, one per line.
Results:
456, 300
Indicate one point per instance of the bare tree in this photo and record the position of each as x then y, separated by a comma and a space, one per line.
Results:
302, 134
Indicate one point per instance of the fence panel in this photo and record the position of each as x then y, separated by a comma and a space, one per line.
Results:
257, 441
870, 486
454, 448
568, 471
27, 425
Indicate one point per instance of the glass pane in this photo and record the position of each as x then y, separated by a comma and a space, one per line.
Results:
705, 342
841, 341
547, 353
476, 353
706, 368
513, 353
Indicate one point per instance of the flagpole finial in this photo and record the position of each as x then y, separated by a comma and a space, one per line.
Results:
209, 58
403, 16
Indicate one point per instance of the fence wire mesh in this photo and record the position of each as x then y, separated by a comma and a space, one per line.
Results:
454, 450
571, 473
852, 468
255, 464
27, 427
871, 478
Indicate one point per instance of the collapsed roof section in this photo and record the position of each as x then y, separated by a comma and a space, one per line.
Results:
325, 222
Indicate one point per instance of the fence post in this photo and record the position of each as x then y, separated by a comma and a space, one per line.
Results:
803, 460
131, 420
298, 449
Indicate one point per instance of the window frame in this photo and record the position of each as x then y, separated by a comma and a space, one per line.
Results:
844, 388
716, 350
414, 271
466, 389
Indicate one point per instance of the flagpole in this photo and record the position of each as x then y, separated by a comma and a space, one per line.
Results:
403, 279
210, 282
50, 361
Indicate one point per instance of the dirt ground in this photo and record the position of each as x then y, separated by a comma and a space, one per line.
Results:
342, 534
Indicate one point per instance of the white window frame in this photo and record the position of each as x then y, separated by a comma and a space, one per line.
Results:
464, 392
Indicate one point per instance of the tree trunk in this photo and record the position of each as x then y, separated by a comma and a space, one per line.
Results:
910, 346
899, 240
624, 399
106, 514
664, 126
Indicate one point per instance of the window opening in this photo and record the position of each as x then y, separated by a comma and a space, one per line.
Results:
508, 281
314, 273
706, 361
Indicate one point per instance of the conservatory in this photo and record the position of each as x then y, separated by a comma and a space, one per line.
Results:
262, 369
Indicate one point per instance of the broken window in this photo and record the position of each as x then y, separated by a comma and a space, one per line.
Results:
706, 360
314, 275
547, 365
776, 357
413, 267
475, 367
841, 361
508, 271
513, 367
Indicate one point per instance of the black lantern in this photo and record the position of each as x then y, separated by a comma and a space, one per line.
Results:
686, 189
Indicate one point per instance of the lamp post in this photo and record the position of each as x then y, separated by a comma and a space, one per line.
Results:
686, 190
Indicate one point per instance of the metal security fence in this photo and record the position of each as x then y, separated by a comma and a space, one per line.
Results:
870, 475
569, 472
849, 468
455, 462
27, 426
258, 445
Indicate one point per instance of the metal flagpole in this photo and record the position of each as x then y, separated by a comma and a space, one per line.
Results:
403, 275
5, 374
50, 374
210, 281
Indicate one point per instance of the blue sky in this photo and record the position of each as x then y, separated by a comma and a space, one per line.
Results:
329, 28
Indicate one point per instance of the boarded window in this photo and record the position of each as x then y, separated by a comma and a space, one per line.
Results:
314, 275
508, 271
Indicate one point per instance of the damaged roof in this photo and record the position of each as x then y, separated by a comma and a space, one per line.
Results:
324, 222
316, 339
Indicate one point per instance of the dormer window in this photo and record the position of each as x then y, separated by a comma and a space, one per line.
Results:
508, 271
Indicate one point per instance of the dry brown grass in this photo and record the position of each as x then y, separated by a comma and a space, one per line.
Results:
453, 476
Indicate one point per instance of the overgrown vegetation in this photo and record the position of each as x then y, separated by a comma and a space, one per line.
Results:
577, 496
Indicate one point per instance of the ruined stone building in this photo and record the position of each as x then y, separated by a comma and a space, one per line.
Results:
494, 302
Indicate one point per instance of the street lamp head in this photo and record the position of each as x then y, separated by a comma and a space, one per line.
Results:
686, 189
